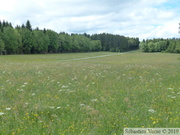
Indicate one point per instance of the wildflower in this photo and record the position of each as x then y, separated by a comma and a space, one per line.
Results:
93, 82
20, 90
8, 108
1, 113
23, 86
82, 105
33, 94
151, 110
58, 107
170, 88
64, 86
51, 107
25, 83
35, 115
93, 100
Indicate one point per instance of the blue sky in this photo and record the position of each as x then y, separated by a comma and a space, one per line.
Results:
135, 18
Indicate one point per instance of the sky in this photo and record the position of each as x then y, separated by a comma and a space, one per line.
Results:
145, 19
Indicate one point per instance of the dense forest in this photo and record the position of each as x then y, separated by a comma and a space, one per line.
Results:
161, 45
116, 43
25, 40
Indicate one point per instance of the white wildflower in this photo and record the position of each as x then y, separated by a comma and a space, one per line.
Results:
82, 105
64, 86
58, 107
51, 107
8, 108
33, 94
25, 83
170, 88
20, 90
151, 110
1, 113
94, 100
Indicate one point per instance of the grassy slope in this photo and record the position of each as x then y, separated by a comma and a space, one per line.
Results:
95, 96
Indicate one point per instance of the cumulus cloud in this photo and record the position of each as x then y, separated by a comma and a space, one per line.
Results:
135, 18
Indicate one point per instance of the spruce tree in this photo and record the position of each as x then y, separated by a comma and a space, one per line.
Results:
28, 25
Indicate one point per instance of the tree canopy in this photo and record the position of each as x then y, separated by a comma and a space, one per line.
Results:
161, 45
26, 40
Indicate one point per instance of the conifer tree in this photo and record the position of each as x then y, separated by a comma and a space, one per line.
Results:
28, 25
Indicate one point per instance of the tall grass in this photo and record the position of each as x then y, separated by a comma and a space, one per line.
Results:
41, 94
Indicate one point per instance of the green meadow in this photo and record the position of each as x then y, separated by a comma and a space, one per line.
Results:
86, 94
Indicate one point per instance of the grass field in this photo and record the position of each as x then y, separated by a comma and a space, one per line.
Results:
55, 94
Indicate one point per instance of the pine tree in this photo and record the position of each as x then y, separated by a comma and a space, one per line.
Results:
23, 26
4, 23
28, 25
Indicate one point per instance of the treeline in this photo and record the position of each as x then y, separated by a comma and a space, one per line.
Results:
116, 43
25, 40
161, 45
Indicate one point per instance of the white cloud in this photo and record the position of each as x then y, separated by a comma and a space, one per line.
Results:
136, 18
